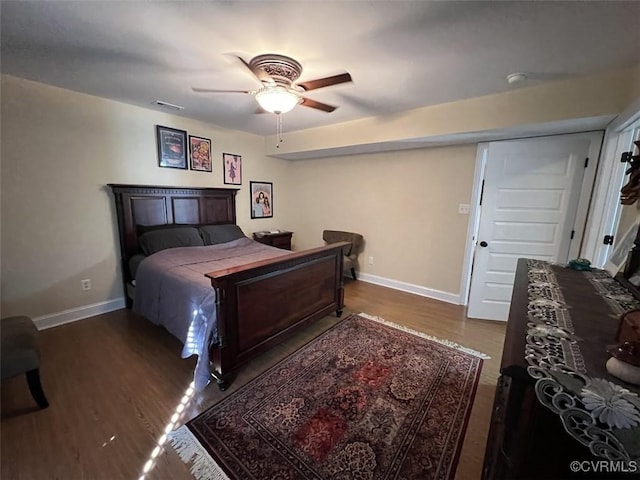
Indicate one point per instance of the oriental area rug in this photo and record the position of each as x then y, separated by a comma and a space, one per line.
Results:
365, 400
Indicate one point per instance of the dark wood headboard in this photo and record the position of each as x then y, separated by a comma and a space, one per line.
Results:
150, 205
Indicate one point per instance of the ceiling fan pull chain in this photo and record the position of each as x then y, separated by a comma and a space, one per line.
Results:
279, 129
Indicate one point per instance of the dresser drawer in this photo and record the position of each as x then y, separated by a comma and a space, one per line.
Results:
282, 242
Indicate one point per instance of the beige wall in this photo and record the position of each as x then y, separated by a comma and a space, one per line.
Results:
59, 150
405, 204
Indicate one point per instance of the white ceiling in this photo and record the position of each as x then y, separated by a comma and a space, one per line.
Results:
401, 54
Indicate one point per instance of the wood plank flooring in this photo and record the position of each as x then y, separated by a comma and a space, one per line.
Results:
115, 380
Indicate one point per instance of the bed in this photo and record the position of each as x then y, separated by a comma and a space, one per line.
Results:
255, 303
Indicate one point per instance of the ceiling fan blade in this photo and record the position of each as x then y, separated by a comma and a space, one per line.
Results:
307, 102
258, 72
325, 82
210, 90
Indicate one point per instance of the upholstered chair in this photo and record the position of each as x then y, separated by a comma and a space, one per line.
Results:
21, 354
350, 260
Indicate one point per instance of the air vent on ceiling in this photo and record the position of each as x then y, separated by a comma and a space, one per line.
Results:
168, 105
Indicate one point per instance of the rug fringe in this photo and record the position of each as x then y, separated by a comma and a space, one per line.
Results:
448, 343
188, 448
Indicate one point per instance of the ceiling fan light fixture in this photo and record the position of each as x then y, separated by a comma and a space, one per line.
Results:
277, 99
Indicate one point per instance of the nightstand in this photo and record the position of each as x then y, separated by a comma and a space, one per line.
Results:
282, 239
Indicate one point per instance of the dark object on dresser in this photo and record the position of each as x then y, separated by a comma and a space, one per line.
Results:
21, 354
629, 326
281, 239
580, 264
258, 305
627, 351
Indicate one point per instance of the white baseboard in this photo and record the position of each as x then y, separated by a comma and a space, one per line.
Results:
79, 313
411, 288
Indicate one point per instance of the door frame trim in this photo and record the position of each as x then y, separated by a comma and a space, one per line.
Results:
582, 223
474, 221
476, 209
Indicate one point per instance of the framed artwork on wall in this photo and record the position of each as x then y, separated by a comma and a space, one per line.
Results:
172, 147
232, 166
200, 153
261, 199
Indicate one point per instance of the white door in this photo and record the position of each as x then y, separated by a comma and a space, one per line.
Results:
529, 204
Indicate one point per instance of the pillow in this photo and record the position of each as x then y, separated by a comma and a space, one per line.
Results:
155, 240
214, 234
134, 263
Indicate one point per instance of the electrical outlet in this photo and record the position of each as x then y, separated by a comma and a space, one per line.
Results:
463, 208
85, 284
370, 260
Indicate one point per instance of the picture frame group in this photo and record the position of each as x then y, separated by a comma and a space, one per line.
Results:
177, 149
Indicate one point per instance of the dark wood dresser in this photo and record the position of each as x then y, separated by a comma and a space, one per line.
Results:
539, 425
282, 239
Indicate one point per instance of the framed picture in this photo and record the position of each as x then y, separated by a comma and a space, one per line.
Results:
200, 153
232, 166
621, 249
172, 147
261, 199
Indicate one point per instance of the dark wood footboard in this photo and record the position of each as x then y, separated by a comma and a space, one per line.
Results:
260, 304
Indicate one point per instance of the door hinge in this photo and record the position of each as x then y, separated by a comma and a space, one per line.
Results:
586, 162
608, 240
481, 192
222, 342
573, 232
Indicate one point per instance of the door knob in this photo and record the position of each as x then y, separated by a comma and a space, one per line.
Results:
483, 243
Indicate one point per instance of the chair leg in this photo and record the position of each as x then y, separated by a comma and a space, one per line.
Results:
353, 273
35, 387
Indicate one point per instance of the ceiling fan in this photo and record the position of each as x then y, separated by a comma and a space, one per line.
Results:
279, 93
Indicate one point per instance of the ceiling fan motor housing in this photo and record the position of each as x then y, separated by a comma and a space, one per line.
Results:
284, 70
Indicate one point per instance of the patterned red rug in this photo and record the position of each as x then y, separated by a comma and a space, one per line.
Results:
364, 400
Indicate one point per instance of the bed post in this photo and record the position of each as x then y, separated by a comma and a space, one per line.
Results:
223, 355
124, 265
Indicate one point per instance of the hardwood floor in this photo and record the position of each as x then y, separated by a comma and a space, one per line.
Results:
114, 382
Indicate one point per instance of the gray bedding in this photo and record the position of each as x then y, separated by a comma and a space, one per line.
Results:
172, 291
